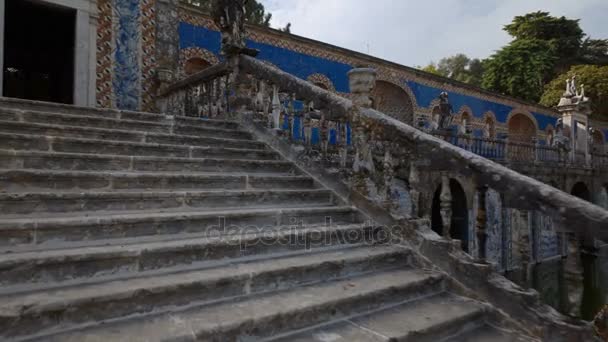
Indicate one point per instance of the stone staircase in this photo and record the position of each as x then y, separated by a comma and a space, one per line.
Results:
125, 226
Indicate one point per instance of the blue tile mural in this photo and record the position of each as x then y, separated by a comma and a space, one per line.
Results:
548, 244
295, 63
426, 94
494, 228
303, 65
126, 80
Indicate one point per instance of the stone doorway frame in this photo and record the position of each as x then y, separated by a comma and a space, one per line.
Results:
85, 54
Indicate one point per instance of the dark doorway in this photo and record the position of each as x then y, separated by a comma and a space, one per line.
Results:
581, 191
39, 51
459, 226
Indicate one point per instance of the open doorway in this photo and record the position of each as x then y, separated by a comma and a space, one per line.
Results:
39, 51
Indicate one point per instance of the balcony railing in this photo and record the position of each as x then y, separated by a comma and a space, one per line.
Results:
504, 151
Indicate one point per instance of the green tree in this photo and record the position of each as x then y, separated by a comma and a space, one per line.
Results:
255, 11
458, 67
520, 69
595, 79
564, 36
543, 47
431, 68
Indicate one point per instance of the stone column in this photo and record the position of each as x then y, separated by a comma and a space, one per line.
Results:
573, 274
445, 199
361, 81
481, 224
2, 4
167, 37
81, 61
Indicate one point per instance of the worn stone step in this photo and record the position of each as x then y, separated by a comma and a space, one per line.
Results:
204, 127
24, 232
10, 159
270, 314
125, 135
488, 333
49, 203
89, 302
118, 257
18, 181
428, 319
8, 105
27, 142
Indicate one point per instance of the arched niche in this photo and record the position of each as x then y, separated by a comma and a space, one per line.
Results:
522, 128
194, 65
393, 101
459, 226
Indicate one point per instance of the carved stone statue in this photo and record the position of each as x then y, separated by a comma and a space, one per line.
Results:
560, 140
229, 16
445, 110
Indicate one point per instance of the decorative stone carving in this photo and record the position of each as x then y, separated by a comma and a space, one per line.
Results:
229, 16
445, 111
362, 81
445, 199
276, 108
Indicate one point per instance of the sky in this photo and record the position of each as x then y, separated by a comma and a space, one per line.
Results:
416, 32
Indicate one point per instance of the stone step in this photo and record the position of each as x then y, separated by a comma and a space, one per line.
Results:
428, 319
264, 315
34, 180
89, 302
95, 229
8, 105
125, 135
45, 204
488, 333
26, 142
10, 159
120, 257
209, 128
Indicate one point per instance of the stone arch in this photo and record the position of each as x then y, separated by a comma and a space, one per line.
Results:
581, 191
522, 127
194, 65
321, 81
393, 100
459, 226
489, 125
465, 111
194, 57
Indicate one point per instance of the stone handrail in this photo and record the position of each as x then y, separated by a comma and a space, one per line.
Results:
399, 145
202, 94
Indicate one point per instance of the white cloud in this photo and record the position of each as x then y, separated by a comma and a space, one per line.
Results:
414, 32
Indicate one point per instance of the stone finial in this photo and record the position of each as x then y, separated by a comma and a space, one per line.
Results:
362, 82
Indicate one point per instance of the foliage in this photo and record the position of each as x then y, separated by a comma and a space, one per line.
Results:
595, 79
543, 47
458, 67
255, 11
431, 68
520, 69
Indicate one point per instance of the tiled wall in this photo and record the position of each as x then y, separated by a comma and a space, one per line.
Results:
305, 59
125, 54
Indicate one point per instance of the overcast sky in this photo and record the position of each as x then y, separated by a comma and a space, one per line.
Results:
415, 32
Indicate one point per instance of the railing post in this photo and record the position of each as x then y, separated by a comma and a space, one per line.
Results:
445, 200
481, 222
